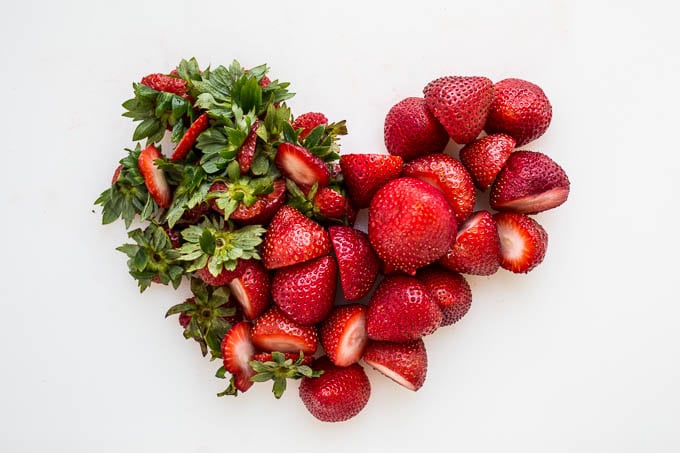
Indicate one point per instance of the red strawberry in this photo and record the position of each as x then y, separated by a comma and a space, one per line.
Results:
116, 173
450, 290
412, 131
330, 203
402, 309
154, 177
357, 262
267, 357
300, 165
404, 363
338, 394
477, 249
262, 211
251, 287
274, 331
162, 82
448, 175
184, 320
237, 351
461, 104
343, 334
194, 215
530, 182
305, 292
293, 238
520, 109
246, 152
364, 174
523, 241
485, 157
187, 141
265, 81
308, 121
222, 279
410, 224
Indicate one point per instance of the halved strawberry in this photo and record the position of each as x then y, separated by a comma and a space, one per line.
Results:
477, 248
274, 331
237, 351
364, 174
300, 165
189, 138
404, 363
523, 241
343, 334
461, 104
450, 290
308, 121
251, 288
154, 177
357, 262
293, 238
530, 182
246, 152
448, 175
169, 84
412, 131
484, 158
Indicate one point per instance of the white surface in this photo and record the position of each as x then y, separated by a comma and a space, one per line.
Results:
579, 355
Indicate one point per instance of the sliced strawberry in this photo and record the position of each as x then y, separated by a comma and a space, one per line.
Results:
305, 292
404, 363
251, 288
274, 331
343, 334
357, 262
448, 175
308, 121
523, 241
169, 84
412, 131
364, 174
293, 238
300, 165
154, 177
530, 182
246, 152
450, 290
237, 351
267, 357
262, 211
484, 158
477, 248
189, 138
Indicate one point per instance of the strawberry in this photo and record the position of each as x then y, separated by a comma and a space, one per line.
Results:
450, 290
404, 363
523, 241
410, 224
274, 331
189, 138
116, 173
194, 215
520, 109
364, 174
402, 309
448, 175
530, 182
477, 248
237, 351
343, 334
269, 357
357, 262
261, 212
223, 278
330, 203
154, 177
323, 204
461, 104
169, 84
412, 131
338, 394
279, 367
305, 292
485, 157
293, 238
246, 152
300, 165
251, 287
308, 121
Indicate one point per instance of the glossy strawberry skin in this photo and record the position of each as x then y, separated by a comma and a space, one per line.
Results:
364, 174
484, 158
520, 109
330, 203
450, 290
262, 211
168, 84
357, 262
300, 165
190, 136
524, 241
308, 121
274, 331
448, 175
412, 131
461, 104
305, 292
343, 334
405, 363
154, 177
410, 224
246, 152
476, 249
338, 394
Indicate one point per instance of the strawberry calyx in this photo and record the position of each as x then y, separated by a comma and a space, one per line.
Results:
280, 369
317, 205
236, 189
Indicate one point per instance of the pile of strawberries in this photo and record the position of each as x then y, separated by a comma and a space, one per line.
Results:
256, 207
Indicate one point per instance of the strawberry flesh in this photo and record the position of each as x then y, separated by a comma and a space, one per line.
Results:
404, 363
523, 241
274, 331
251, 288
343, 334
154, 177
189, 138
237, 351
300, 165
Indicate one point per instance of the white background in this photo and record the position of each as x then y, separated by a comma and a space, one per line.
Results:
580, 355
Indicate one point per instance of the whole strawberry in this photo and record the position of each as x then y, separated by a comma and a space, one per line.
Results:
308, 121
357, 262
484, 158
520, 109
450, 290
412, 131
364, 174
410, 224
